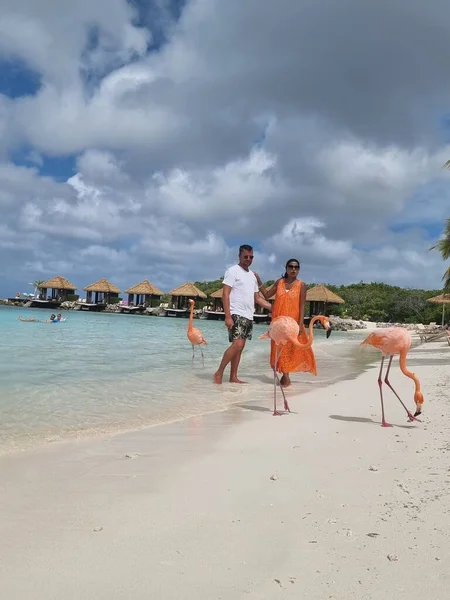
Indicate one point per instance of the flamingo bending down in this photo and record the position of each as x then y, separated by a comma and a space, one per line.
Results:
391, 341
195, 336
283, 330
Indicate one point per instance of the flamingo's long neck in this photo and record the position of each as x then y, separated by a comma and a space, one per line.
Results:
406, 372
310, 341
191, 318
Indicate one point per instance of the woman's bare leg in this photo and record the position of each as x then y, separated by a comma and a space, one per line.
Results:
285, 380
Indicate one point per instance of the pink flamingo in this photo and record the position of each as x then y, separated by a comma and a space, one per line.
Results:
391, 341
195, 336
285, 329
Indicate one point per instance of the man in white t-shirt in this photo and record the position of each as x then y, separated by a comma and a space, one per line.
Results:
240, 292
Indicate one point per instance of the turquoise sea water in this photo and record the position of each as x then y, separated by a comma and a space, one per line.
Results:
99, 373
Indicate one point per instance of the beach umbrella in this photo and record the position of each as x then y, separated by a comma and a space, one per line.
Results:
441, 299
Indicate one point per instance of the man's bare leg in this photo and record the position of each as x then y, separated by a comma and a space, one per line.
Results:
235, 364
228, 356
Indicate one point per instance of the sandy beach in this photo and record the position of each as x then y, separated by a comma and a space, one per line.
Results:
319, 504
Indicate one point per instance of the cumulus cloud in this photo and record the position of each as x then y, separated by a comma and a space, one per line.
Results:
303, 128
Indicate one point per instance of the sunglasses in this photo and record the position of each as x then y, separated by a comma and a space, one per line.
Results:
296, 267
248, 257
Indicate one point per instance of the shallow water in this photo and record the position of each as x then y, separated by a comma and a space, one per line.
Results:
98, 373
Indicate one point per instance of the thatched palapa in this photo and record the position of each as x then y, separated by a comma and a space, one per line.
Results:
217, 294
320, 293
143, 293
181, 295
188, 290
217, 300
319, 297
441, 299
58, 283
103, 289
60, 286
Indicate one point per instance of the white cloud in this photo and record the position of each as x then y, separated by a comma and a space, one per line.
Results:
291, 134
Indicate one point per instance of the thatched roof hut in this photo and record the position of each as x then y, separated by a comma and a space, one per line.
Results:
441, 299
143, 293
103, 286
217, 300
103, 289
181, 295
217, 294
60, 286
320, 293
58, 283
319, 297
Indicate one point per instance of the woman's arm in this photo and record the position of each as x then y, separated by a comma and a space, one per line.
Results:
301, 320
267, 293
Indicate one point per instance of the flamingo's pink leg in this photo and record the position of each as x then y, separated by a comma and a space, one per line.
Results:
193, 354
286, 405
411, 417
380, 385
203, 358
275, 378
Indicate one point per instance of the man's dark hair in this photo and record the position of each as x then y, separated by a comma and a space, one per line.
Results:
245, 248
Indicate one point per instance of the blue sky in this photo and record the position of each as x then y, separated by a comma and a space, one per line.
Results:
16, 80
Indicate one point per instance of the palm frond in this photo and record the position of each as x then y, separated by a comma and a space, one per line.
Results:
446, 280
443, 246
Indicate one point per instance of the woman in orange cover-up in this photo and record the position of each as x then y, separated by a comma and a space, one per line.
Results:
290, 301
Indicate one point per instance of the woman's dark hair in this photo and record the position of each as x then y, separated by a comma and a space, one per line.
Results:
290, 261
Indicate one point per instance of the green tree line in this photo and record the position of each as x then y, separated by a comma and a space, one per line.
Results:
372, 302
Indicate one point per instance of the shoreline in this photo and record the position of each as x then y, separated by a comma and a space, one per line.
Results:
360, 361
243, 504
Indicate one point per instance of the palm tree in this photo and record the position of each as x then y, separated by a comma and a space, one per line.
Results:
443, 246
37, 284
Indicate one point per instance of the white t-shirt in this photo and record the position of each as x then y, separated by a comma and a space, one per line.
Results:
243, 287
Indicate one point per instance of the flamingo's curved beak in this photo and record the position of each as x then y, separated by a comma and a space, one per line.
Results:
329, 330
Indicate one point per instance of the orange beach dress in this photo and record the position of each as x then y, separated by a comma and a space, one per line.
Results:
292, 358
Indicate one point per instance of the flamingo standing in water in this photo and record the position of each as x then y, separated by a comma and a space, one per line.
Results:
195, 336
391, 341
286, 329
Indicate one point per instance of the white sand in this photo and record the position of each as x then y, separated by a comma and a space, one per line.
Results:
197, 516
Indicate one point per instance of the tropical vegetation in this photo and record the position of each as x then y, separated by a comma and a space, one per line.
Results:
372, 301
443, 246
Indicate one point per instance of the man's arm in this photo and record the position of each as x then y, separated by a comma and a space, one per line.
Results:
262, 302
226, 305
226, 300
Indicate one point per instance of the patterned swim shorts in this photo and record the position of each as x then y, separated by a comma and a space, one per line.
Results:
241, 330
